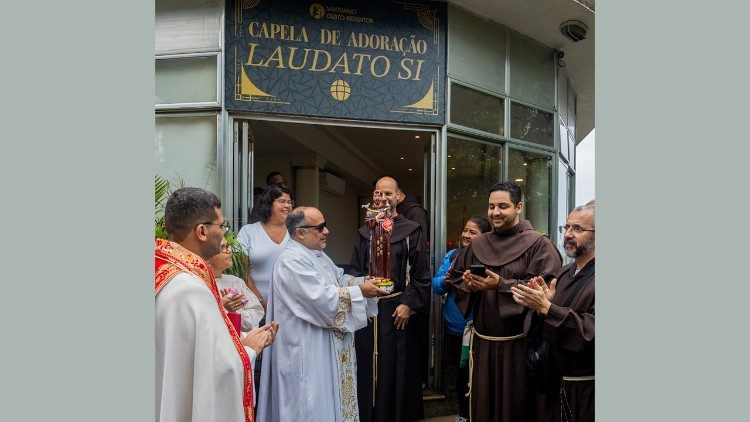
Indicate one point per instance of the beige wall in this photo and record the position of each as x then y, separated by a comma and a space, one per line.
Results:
267, 164
342, 219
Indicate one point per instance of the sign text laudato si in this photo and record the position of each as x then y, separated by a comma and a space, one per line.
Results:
374, 60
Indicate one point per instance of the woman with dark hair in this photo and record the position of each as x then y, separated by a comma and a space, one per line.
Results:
454, 320
263, 241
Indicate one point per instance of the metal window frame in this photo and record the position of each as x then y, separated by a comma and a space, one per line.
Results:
469, 130
218, 104
551, 155
555, 141
232, 117
220, 151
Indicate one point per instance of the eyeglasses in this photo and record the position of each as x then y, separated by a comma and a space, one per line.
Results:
575, 228
224, 225
226, 248
285, 202
318, 227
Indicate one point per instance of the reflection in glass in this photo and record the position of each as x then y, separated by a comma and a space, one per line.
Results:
571, 150
532, 125
564, 140
564, 204
572, 112
475, 109
186, 151
534, 174
473, 168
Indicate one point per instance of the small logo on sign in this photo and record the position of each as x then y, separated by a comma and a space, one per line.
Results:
340, 90
317, 11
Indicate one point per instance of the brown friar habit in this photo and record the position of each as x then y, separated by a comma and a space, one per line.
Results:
398, 395
413, 210
570, 331
499, 388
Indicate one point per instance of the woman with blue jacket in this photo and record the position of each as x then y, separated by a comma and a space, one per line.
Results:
454, 320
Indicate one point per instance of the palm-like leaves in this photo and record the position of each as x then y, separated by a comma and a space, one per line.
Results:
239, 259
161, 192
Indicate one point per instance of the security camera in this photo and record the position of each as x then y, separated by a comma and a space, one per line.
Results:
558, 55
574, 30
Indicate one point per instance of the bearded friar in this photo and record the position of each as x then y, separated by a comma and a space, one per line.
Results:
564, 315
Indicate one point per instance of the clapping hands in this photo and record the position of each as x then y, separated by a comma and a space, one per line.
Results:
536, 295
262, 337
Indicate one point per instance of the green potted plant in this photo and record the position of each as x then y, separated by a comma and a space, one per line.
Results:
161, 193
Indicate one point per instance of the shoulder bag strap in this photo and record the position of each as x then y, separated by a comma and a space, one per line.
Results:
585, 277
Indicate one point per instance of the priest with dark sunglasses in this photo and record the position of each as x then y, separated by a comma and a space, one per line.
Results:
310, 375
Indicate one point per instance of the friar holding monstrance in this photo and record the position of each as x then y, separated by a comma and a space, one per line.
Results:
391, 248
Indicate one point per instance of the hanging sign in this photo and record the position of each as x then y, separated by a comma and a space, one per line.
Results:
372, 60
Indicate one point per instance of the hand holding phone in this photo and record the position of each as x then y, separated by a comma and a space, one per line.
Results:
478, 270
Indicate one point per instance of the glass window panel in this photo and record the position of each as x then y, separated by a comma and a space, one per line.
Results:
572, 150
476, 50
562, 96
187, 25
186, 151
563, 139
533, 173
186, 80
532, 72
532, 125
473, 168
475, 109
571, 122
563, 205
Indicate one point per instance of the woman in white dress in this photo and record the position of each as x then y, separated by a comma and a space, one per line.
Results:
263, 241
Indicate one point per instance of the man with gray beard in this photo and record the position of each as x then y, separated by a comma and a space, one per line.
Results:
564, 312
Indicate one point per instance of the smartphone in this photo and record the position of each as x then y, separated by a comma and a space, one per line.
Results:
478, 270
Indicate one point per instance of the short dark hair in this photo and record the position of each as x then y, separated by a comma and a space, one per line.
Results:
188, 207
270, 194
512, 188
294, 220
482, 222
271, 176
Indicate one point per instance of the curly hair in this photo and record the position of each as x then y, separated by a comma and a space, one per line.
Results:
265, 204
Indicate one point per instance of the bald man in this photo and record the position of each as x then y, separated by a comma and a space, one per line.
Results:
309, 375
395, 393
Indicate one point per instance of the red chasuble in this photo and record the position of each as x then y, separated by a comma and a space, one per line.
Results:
172, 259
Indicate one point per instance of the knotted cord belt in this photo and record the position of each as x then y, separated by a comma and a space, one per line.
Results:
471, 354
574, 379
566, 413
375, 349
